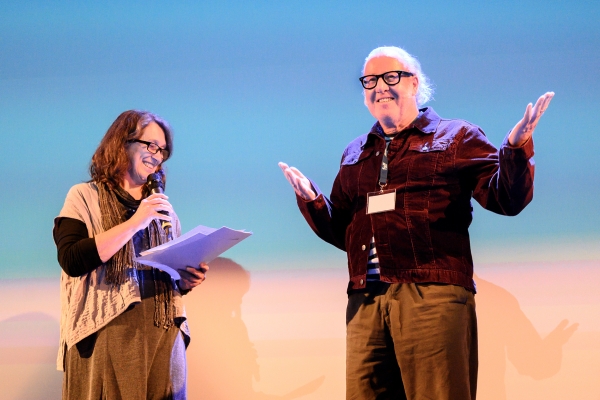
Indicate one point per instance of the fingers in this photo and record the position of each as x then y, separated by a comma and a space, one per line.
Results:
292, 180
203, 267
542, 104
293, 171
523, 130
527, 115
193, 274
571, 329
158, 202
192, 277
561, 325
539, 103
150, 208
297, 173
545, 101
157, 196
283, 166
538, 110
287, 172
561, 334
156, 212
291, 174
299, 182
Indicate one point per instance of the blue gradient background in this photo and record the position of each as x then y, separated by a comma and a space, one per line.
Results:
248, 84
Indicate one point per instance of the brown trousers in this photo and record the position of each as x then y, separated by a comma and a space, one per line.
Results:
129, 359
411, 341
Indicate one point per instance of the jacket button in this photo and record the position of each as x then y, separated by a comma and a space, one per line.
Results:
364, 247
377, 153
361, 281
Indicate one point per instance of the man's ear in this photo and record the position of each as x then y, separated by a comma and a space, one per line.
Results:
415, 85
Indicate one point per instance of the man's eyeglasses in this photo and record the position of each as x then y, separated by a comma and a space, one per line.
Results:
152, 148
391, 78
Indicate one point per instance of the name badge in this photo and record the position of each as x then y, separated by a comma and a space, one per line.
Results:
381, 201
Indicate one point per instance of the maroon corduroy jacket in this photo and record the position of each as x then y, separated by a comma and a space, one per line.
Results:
436, 166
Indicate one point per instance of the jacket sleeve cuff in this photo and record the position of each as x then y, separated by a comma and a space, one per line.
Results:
316, 204
525, 151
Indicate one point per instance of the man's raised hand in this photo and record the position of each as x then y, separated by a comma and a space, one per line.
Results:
299, 182
523, 130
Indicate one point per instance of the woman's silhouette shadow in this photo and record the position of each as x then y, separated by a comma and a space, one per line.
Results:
506, 332
222, 361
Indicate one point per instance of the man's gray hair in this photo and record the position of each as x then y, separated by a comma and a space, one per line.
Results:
425, 91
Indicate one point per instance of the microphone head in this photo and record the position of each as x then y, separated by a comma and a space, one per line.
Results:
155, 183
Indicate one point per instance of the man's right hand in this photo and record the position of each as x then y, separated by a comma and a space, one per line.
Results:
299, 182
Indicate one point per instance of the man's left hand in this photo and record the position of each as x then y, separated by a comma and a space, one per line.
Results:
523, 130
192, 277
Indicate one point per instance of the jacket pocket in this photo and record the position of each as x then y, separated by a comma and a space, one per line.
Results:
423, 164
417, 222
424, 157
356, 155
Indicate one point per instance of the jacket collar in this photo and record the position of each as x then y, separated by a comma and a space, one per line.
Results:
427, 122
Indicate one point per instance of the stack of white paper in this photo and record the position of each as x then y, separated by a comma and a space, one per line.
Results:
201, 244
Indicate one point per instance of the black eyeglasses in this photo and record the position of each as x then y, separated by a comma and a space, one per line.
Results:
391, 78
152, 148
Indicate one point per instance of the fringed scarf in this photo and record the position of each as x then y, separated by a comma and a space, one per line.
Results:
115, 213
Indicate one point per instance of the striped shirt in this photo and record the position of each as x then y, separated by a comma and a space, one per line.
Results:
373, 273
373, 263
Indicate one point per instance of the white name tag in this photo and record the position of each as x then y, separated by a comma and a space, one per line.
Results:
381, 201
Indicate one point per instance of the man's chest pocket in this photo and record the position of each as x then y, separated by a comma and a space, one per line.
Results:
357, 156
425, 157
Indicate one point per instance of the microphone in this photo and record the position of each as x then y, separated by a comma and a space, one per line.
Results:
156, 185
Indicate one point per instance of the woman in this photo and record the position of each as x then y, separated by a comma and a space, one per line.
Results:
123, 331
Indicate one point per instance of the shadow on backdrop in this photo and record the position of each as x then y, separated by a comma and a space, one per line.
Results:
28, 357
222, 361
505, 332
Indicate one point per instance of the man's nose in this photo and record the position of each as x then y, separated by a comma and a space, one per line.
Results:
381, 86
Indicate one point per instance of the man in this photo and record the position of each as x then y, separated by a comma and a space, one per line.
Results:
400, 207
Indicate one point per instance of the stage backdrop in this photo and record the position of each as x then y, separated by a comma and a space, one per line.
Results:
248, 84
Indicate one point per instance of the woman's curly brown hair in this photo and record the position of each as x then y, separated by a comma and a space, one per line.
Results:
110, 161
